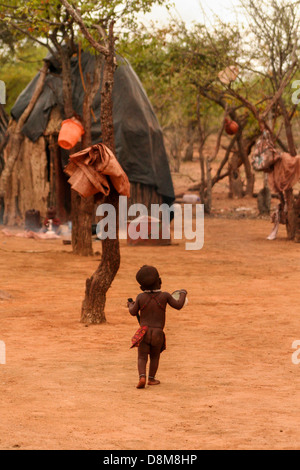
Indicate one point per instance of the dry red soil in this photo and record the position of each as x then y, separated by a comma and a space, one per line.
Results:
227, 377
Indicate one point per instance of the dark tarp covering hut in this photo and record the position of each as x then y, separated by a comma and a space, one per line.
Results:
138, 137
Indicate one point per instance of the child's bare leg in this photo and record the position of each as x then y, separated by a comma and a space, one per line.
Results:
143, 352
154, 362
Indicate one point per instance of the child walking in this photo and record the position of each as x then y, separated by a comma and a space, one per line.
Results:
150, 337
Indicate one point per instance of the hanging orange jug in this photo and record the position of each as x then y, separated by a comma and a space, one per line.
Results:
70, 133
231, 127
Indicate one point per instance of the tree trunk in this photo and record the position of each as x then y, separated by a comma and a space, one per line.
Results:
208, 199
264, 198
97, 286
235, 181
297, 219
57, 190
247, 165
83, 208
291, 225
66, 82
3, 120
291, 214
82, 215
203, 179
189, 152
17, 137
288, 129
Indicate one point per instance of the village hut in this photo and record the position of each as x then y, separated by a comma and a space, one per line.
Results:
38, 179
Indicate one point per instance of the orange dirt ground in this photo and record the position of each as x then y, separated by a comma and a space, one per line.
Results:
227, 378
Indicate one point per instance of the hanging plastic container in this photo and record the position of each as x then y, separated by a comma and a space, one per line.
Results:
228, 75
70, 133
231, 127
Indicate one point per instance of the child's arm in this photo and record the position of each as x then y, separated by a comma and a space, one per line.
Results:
134, 307
178, 304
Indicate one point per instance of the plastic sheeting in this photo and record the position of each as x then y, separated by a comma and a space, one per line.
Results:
285, 173
89, 168
138, 137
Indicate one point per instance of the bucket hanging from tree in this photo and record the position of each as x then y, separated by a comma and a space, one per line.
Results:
70, 133
231, 127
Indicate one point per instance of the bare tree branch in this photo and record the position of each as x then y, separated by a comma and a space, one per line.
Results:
77, 17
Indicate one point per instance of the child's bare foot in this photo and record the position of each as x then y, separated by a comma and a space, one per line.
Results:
153, 381
142, 382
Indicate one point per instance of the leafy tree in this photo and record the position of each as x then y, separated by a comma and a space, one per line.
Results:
175, 65
98, 285
59, 26
150, 53
51, 25
183, 65
273, 32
